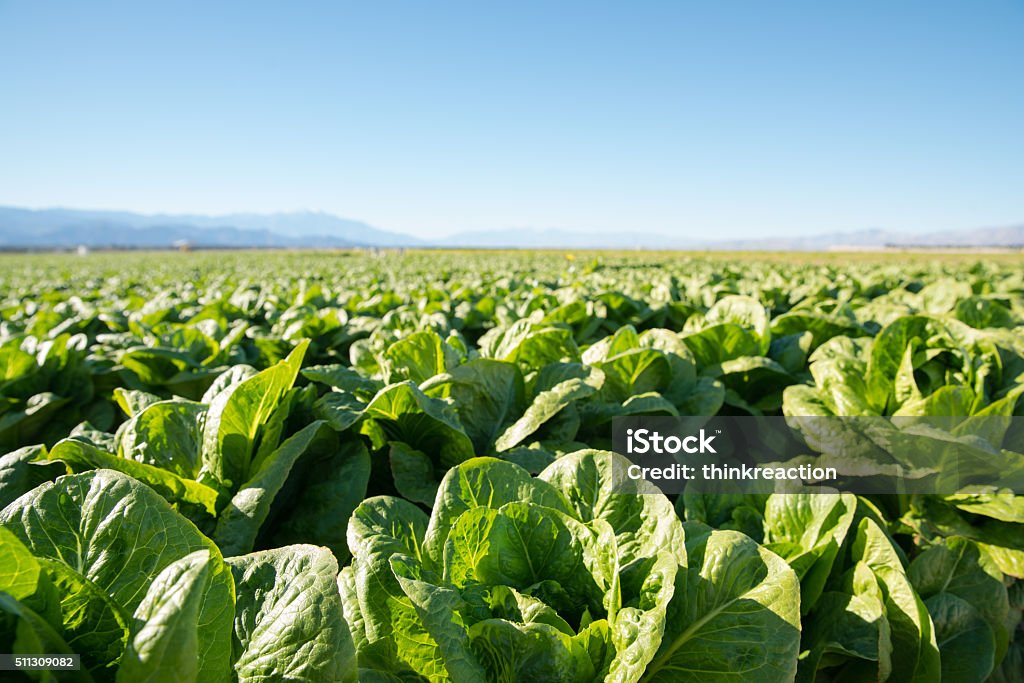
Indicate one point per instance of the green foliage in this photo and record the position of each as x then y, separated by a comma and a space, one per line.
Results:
323, 467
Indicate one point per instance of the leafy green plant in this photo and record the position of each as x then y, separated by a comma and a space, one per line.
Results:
99, 564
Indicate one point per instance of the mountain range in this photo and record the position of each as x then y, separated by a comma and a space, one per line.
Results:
68, 228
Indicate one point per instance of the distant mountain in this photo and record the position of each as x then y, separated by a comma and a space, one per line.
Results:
1010, 236
49, 228
1006, 236
67, 228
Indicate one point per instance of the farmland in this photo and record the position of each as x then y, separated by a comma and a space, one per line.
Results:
395, 467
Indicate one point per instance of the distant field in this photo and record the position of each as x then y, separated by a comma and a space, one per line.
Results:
204, 257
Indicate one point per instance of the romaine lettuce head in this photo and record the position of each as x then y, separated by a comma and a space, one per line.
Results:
554, 578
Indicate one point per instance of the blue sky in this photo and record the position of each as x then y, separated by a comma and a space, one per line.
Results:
707, 119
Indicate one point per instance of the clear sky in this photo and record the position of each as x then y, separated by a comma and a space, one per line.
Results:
712, 119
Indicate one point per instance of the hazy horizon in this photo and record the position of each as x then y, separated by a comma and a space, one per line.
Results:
683, 119
502, 229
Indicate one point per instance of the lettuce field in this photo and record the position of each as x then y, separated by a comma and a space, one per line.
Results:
396, 468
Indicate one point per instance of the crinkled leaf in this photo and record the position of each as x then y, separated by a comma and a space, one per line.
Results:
289, 623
